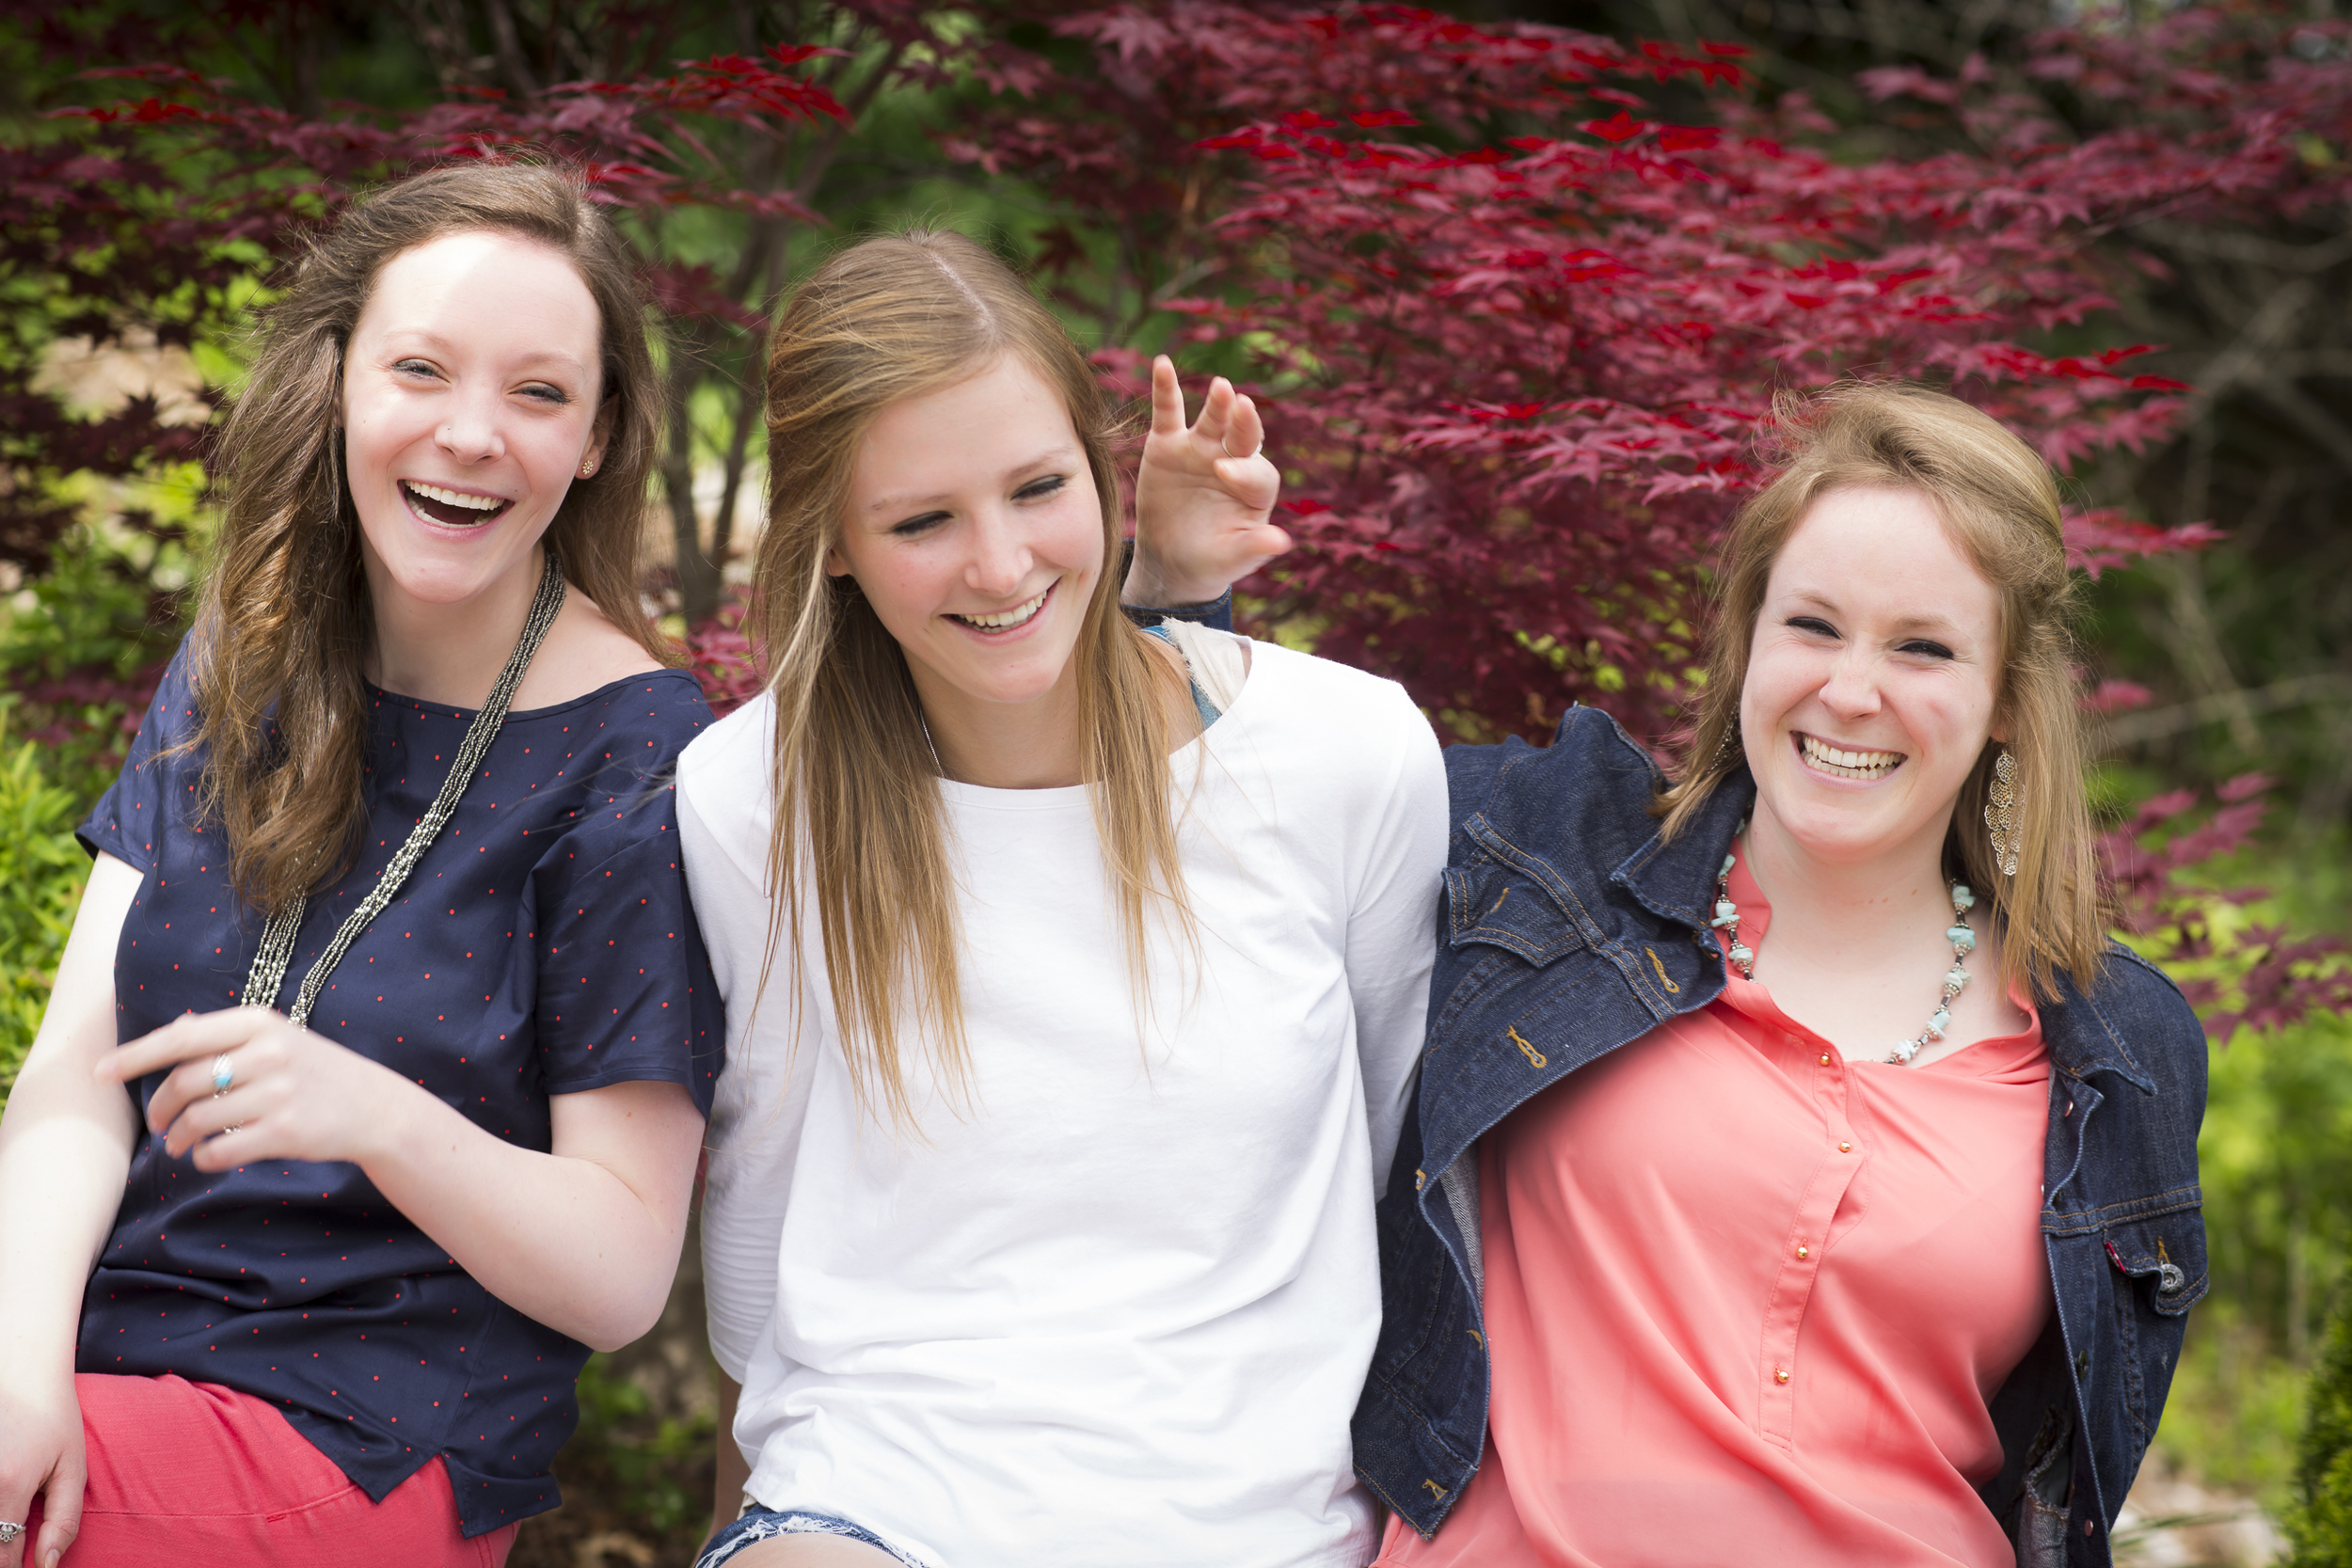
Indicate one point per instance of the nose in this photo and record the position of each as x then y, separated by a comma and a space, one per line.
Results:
1000, 558
1851, 691
472, 433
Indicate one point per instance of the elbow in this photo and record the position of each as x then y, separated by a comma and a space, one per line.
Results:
621, 1324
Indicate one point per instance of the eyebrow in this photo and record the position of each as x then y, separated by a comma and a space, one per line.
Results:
435, 340
899, 502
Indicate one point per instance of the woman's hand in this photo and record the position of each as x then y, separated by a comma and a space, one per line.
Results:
1204, 498
41, 1455
290, 1094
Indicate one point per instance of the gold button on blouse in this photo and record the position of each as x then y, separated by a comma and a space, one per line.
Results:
1804, 1252
1825, 1059
1780, 1374
1845, 1149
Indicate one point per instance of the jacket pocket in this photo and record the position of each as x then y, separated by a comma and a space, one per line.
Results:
2165, 1259
1504, 907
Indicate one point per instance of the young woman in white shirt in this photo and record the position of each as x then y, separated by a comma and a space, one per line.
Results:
1075, 976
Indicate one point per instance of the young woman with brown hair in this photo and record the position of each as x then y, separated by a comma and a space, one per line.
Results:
1074, 975
1797, 1174
313, 1286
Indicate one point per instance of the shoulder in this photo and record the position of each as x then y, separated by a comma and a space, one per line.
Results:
2145, 1010
722, 784
1592, 775
1319, 694
584, 653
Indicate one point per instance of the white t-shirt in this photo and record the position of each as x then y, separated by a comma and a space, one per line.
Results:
1117, 1309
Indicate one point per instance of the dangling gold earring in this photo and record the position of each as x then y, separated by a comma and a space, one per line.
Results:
2000, 814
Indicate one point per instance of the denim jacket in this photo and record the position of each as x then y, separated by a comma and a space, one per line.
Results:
1603, 935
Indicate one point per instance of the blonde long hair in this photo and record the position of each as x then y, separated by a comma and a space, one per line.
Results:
286, 619
857, 827
2000, 504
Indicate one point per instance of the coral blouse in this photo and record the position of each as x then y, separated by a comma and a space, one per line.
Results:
1746, 1300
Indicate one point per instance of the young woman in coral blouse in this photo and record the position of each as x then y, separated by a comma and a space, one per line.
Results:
370, 1095
1797, 1174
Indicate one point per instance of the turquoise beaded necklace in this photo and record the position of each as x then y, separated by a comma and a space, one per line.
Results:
1964, 941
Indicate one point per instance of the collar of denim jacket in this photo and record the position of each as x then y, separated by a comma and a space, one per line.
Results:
1676, 881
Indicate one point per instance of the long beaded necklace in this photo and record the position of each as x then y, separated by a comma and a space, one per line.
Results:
277, 937
1964, 941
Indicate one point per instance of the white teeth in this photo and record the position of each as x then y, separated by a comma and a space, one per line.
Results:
1861, 765
1009, 618
453, 498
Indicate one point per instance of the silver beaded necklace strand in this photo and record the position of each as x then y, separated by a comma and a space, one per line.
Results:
1964, 941
277, 937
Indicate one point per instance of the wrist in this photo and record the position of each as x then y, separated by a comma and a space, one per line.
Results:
393, 1136
1148, 585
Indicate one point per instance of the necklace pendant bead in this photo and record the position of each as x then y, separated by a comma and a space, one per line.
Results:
1904, 1051
1941, 1022
1743, 957
1964, 939
1955, 978
1962, 896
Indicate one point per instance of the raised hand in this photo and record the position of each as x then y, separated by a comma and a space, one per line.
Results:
1204, 497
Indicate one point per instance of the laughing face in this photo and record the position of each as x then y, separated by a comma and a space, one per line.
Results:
975, 531
1872, 678
470, 390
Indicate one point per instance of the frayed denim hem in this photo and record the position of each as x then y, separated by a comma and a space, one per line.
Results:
758, 1522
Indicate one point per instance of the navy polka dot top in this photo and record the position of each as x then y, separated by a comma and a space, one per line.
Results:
543, 945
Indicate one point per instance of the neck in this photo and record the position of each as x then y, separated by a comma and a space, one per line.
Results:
1848, 908
1031, 745
448, 653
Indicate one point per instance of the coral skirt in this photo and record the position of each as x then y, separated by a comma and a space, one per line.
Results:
192, 1475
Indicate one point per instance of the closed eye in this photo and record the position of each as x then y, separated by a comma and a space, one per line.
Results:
922, 523
1036, 489
415, 367
1925, 648
1813, 624
554, 397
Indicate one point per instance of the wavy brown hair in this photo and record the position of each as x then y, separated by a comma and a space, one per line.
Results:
2001, 506
286, 618
857, 830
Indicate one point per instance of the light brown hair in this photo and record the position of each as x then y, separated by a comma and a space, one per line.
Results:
286, 618
2001, 506
857, 827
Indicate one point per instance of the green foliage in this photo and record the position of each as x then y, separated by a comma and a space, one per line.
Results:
653, 1472
2319, 1525
42, 869
2276, 1163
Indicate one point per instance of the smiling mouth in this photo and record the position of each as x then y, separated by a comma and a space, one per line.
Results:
452, 508
1019, 615
1839, 763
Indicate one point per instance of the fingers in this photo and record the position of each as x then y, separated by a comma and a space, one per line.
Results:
1245, 433
1167, 398
60, 1511
190, 1035
201, 1117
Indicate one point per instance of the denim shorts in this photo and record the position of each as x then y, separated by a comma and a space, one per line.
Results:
759, 1523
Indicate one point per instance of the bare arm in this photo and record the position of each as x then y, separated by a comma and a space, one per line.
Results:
65, 1151
584, 1239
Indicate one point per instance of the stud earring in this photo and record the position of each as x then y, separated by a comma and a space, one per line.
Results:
2000, 814
588, 469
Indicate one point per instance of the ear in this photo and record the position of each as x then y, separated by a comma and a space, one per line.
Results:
837, 564
599, 434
